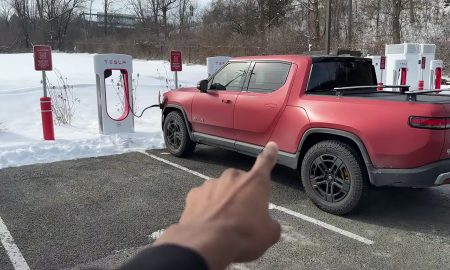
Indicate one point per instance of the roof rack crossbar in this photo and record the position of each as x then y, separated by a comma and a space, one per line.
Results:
412, 95
340, 90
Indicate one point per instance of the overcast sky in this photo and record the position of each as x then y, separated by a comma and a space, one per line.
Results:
120, 6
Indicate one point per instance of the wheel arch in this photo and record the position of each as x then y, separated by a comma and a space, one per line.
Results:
170, 108
315, 135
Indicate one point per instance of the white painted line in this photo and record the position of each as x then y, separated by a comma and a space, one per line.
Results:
155, 235
177, 166
321, 224
238, 267
276, 207
16, 258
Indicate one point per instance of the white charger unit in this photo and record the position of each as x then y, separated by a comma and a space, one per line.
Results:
428, 51
408, 53
114, 118
215, 63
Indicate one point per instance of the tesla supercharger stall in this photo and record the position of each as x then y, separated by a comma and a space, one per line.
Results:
214, 63
379, 64
114, 93
427, 54
396, 57
397, 73
376, 62
435, 80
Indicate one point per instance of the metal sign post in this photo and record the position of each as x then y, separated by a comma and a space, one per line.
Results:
382, 68
176, 64
43, 62
44, 83
422, 67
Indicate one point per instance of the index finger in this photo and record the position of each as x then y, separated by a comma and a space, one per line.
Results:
266, 160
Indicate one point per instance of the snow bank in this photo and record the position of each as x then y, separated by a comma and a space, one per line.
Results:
20, 89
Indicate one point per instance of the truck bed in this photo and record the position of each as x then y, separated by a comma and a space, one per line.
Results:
396, 96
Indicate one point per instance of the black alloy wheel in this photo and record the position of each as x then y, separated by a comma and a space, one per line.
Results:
330, 178
334, 177
176, 135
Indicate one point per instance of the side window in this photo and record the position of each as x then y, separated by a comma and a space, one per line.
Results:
268, 77
231, 77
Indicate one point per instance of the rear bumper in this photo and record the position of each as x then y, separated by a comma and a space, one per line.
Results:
434, 174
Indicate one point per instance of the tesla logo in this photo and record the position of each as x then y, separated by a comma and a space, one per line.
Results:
115, 62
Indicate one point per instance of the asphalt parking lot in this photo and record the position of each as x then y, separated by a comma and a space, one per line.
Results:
101, 211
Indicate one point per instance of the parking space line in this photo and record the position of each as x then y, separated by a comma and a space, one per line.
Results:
177, 166
321, 224
14, 254
155, 235
276, 207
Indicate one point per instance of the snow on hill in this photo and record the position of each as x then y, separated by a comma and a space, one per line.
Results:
20, 121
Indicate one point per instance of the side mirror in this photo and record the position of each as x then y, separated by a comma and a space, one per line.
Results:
202, 86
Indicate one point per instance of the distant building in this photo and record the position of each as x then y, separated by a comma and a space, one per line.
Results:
114, 20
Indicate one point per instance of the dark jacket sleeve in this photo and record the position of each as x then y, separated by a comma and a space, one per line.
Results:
166, 257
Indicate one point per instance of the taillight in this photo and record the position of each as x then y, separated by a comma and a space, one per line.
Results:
429, 122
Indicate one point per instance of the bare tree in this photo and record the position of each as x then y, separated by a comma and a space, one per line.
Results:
350, 23
40, 8
22, 10
147, 12
106, 7
5, 11
314, 22
166, 6
140, 10
396, 26
59, 14
378, 18
155, 6
185, 12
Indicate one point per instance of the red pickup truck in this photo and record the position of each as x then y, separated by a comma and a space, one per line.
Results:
328, 119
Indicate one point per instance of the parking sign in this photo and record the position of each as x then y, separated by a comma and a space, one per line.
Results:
42, 57
423, 62
383, 62
176, 61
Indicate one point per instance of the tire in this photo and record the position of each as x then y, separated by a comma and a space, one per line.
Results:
334, 177
176, 135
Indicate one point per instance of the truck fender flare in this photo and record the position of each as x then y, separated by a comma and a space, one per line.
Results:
346, 134
178, 108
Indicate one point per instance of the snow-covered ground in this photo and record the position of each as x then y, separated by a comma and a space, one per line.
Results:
21, 140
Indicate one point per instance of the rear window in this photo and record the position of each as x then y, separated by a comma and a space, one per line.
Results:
328, 75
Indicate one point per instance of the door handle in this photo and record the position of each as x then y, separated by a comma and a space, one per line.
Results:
227, 101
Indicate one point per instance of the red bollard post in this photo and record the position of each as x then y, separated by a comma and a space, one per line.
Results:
380, 88
421, 84
47, 118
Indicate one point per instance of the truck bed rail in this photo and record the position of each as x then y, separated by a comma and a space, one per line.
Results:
340, 90
410, 95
